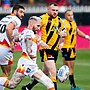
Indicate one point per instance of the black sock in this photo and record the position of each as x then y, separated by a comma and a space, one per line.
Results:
32, 84
72, 82
55, 85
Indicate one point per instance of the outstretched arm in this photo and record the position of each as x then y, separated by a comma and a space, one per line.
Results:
81, 34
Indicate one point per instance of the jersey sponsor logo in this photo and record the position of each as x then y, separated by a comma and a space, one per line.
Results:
28, 70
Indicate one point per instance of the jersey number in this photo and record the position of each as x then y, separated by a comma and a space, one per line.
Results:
2, 28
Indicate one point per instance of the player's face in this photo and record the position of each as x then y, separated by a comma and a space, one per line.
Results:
53, 11
36, 26
69, 16
20, 13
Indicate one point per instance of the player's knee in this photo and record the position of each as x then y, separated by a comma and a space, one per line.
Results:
53, 74
52, 70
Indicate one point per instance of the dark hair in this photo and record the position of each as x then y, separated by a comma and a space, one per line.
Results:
67, 11
52, 3
17, 7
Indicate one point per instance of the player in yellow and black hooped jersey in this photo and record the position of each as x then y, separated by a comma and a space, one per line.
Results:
70, 40
49, 29
50, 25
68, 48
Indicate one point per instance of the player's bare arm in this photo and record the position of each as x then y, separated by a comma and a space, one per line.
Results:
9, 32
81, 34
28, 47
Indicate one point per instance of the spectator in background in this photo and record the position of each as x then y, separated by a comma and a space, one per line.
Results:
31, 1
13, 2
76, 2
6, 4
66, 2
0, 3
59, 2
69, 2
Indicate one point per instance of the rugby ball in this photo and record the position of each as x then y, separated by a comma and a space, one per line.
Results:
63, 73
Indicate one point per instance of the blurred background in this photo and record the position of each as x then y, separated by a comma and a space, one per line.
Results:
81, 9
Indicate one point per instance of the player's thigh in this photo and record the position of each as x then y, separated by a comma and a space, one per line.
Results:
44, 68
51, 66
72, 63
26, 67
6, 69
63, 59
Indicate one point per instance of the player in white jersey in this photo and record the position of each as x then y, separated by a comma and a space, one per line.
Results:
27, 63
9, 24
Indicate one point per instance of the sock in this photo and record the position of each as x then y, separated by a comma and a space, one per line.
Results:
51, 89
72, 82
32, 84
1, 88
55, 85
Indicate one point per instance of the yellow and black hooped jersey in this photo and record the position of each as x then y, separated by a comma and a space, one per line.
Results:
49, 28
71, 29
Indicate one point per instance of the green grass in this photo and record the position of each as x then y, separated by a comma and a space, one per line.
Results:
82, 71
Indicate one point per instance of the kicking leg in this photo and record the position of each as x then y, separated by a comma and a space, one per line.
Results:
42, 78
15, 80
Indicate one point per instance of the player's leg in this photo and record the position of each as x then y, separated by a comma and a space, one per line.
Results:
45, 80
2, 87
15, 80
34, 81
6, 60
49, 58
6, 69
71, 78
42, 78
51, 67
70, 64
68, 57
45, 69
30, 85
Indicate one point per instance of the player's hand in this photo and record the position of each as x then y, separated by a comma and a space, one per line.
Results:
87, 37
62, 33
43, 44
12, 46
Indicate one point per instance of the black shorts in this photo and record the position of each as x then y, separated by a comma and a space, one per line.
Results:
68, 53
48, 54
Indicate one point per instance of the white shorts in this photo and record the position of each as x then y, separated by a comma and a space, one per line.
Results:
6, 57
26, 67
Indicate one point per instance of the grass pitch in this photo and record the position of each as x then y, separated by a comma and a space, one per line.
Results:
82, 71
